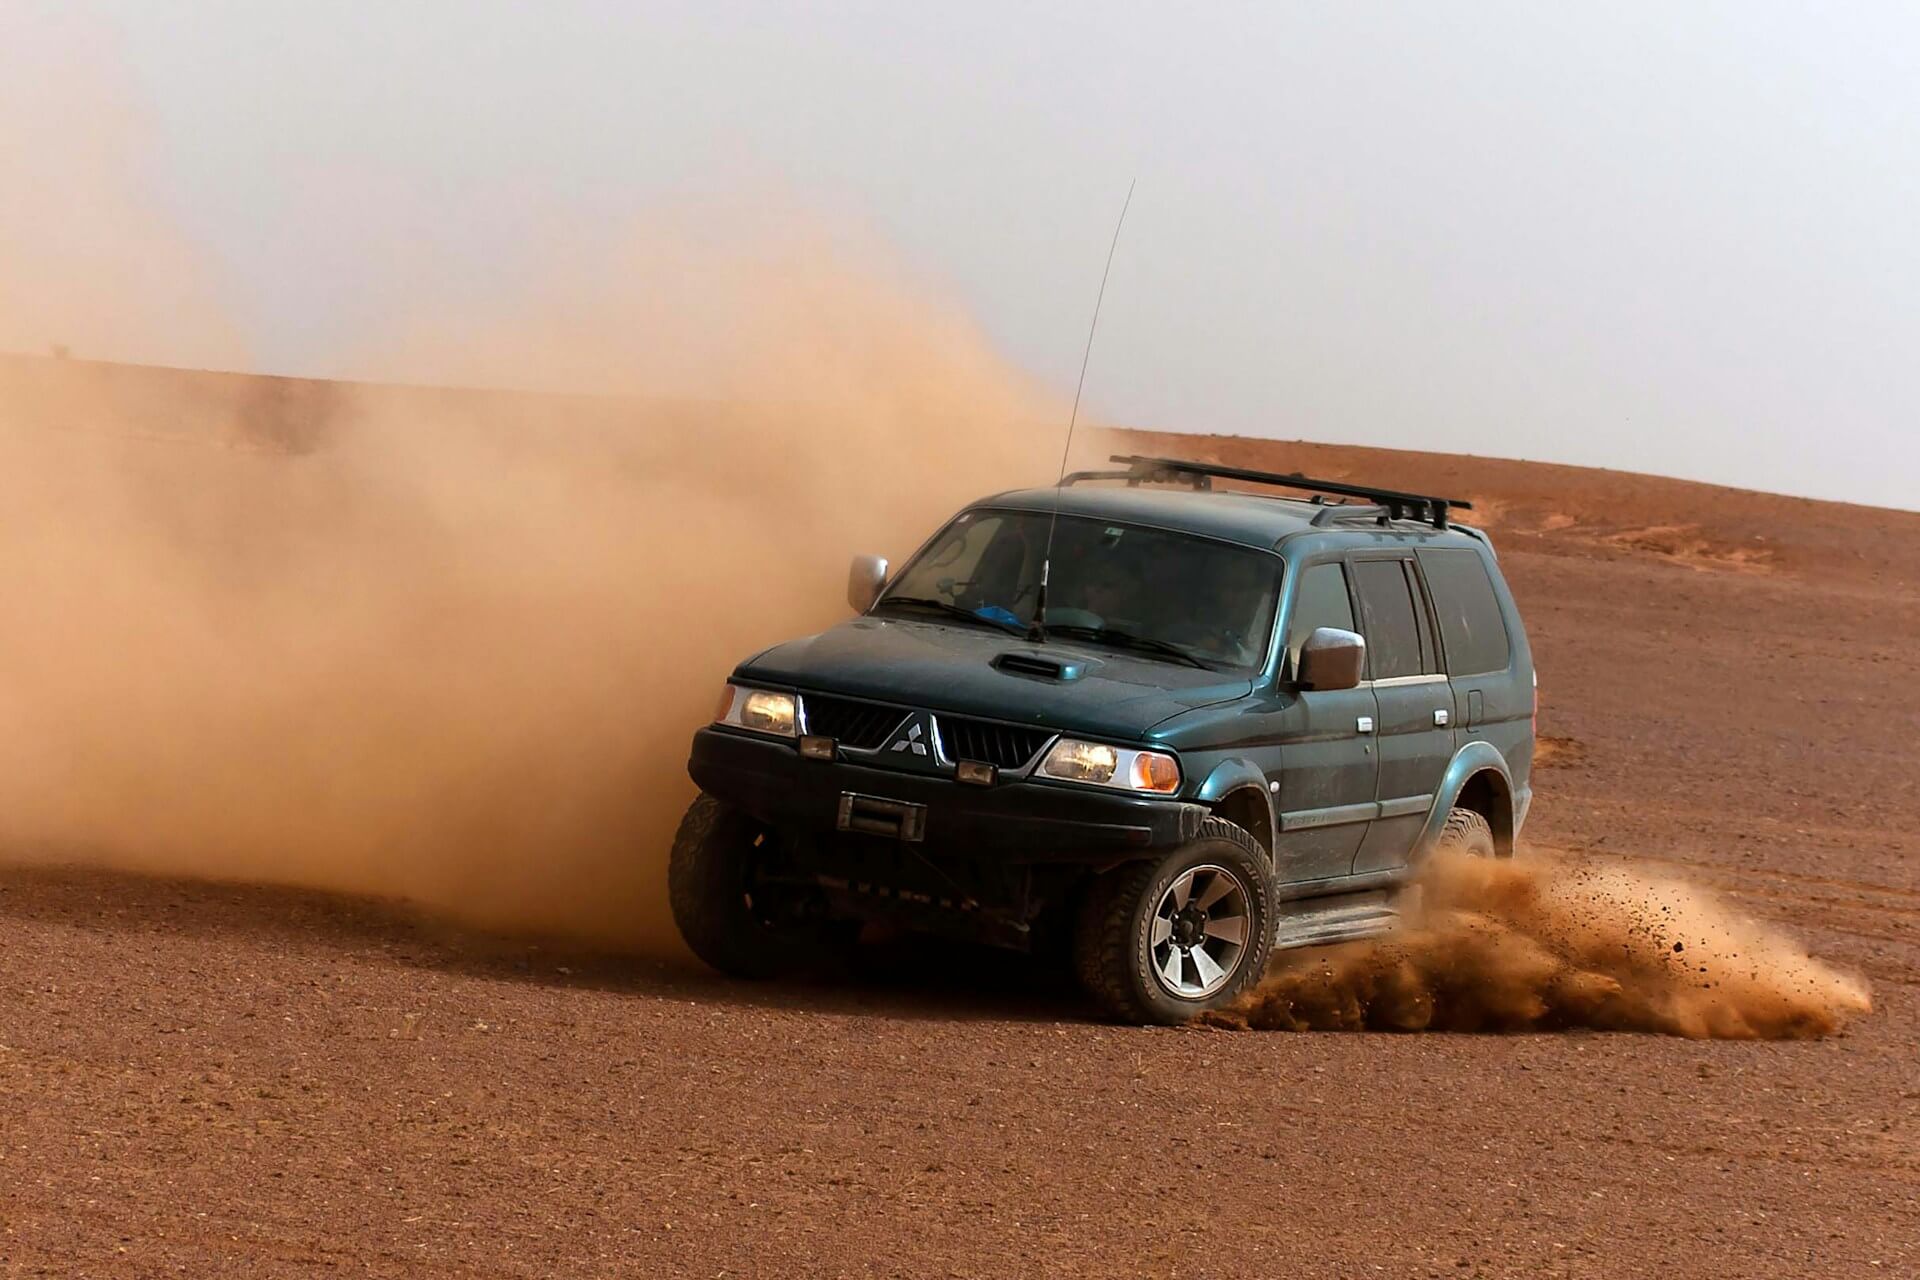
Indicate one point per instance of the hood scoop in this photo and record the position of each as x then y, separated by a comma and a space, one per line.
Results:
1041, 666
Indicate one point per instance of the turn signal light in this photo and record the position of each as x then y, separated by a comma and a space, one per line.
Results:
1155, 772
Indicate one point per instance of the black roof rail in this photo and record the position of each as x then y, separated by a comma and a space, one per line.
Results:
1395, 504
1344, 511
1075, 477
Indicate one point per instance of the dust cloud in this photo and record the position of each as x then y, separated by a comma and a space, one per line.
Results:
1546, 941
445, 645
448, 645
88, 258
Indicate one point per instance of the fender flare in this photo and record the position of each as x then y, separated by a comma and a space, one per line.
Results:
1474, 758
1239, 774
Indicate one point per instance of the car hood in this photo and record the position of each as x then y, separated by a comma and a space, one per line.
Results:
979, 672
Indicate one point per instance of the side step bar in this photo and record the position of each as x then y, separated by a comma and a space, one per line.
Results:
1350, 916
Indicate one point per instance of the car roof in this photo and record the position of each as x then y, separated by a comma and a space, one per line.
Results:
1250, 519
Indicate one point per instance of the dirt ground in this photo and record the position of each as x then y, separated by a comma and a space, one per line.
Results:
204, 1080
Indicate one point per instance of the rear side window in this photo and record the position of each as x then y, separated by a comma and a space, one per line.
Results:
1321, 601
1471, 624
1397, 639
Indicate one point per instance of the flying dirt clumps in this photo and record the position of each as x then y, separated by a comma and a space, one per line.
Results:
1546, 942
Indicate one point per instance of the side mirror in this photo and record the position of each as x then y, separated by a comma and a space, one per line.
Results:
1331, 659
865, 580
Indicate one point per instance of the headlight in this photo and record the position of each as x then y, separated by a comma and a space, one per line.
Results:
761, 710
1126, 768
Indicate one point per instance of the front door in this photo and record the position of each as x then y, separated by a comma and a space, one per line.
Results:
1326, 767
1414, 701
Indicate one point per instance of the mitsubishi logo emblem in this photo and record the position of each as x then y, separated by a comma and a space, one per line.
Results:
915, 744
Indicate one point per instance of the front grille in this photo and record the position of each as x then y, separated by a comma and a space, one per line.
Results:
863, 726
866, 726
1002, 746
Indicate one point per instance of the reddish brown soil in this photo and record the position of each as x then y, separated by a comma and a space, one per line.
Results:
208, 1080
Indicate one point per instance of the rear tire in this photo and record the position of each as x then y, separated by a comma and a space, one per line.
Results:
1468, 831
1162, 941
710, 886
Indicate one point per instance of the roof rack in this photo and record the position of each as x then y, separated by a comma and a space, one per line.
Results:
1395, 505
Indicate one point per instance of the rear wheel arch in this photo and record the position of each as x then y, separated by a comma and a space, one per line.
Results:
1488, 793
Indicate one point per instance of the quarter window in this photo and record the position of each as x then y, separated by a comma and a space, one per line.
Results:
1470, 620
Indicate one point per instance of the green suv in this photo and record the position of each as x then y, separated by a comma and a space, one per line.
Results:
1174, 726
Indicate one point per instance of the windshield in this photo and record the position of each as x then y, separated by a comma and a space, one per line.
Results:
1120, 585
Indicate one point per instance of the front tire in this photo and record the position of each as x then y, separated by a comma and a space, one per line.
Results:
712, 890
1163, 941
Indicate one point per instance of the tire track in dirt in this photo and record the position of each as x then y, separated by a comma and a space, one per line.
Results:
1702, 866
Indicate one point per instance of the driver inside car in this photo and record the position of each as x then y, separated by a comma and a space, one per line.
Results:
1224, 629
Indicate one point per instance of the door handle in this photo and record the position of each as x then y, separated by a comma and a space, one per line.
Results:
1365, 724
1440, 716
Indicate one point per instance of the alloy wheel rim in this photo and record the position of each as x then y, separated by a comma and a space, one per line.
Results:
1198, 936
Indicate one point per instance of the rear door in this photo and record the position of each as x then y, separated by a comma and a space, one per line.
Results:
1415, 708
1326, 765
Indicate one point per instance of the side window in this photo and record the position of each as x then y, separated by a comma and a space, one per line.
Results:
1321, 601
1398, 643
1470, 620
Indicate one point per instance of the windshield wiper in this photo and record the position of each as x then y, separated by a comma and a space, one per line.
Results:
1127, 640
951, 609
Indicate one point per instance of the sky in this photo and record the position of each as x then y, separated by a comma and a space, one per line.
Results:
1666, 237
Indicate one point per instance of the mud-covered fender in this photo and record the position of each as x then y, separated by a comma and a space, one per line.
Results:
1474, 758
1231, 775
1236, 774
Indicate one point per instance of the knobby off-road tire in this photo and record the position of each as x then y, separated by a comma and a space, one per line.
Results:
1124, 923
1467, 831
709, 886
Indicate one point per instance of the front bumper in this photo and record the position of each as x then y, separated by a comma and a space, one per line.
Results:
1011, 820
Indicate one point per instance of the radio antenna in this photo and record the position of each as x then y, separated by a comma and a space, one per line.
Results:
1039, 631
